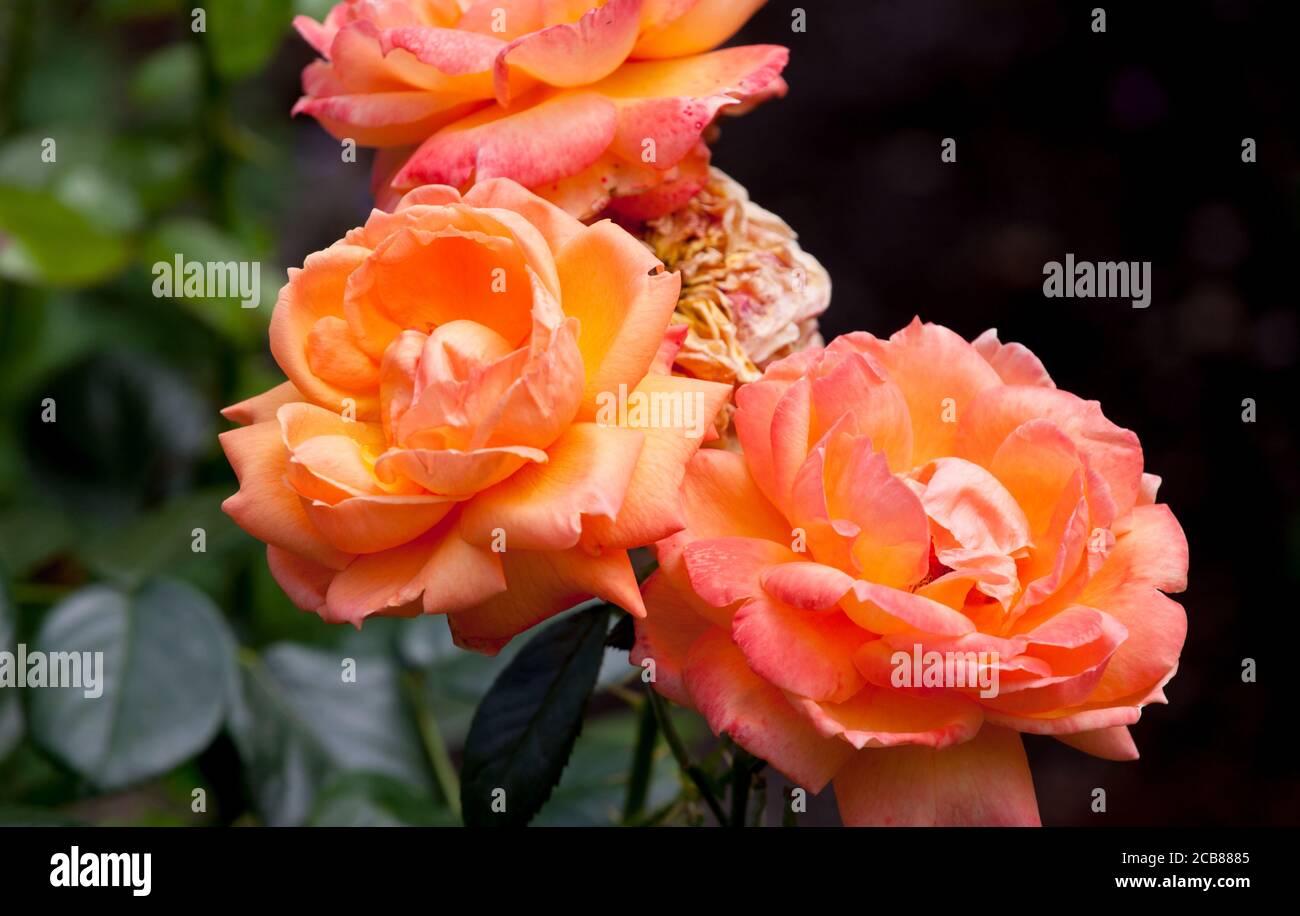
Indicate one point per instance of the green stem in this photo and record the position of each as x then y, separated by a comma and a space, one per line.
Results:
434, 745
693, 772
638, 786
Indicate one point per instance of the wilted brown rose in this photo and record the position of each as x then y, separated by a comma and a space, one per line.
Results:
750, 295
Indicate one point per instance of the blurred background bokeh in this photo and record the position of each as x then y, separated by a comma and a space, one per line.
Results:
1117, 146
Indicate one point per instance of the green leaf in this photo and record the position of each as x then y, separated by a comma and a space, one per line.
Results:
371, 800
11, 713
243, 34
161, 540
29, 536
595, 781
169, 82
167, 669
198, 242
296, 720
23, 816
525, 727
45, 240
454, 680
284, 764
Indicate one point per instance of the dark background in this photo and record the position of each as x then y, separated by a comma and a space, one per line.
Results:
1117, 146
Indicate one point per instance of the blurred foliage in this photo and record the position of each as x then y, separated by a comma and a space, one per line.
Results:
126, 139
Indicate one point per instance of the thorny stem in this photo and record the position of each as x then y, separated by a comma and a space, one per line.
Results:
696, 775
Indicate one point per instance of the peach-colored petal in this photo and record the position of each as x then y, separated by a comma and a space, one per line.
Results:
262, 407
1157, 628
450, 574
265, 506
558, 136
420, 279
735, 700
889, 529
984, 782
973, 506
543, 398
304, 581
665, 635
809, 586
383, 118
720, 498
555, 225
756, 410
1111, 451
621, 306
880, 663
881, 609
729, 569
1152, 551
329, 455
369, 524
705, 24
670, 102
1114, 743
1066, 722
857, 386
634, 195
453, 473
1013, 362
940, 375
313, 293
875, 718
541, 584
1035, 464
453, 52
806, 653
543, 505
572, 54
651, 508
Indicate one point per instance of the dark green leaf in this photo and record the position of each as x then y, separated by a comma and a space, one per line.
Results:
284, 764
161, 540
370, 800
525, 727
595, 781
296, 720
167, 667
30, 536
21, 816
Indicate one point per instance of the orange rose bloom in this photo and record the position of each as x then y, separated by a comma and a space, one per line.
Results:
439, 446
584, 102
904, 502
